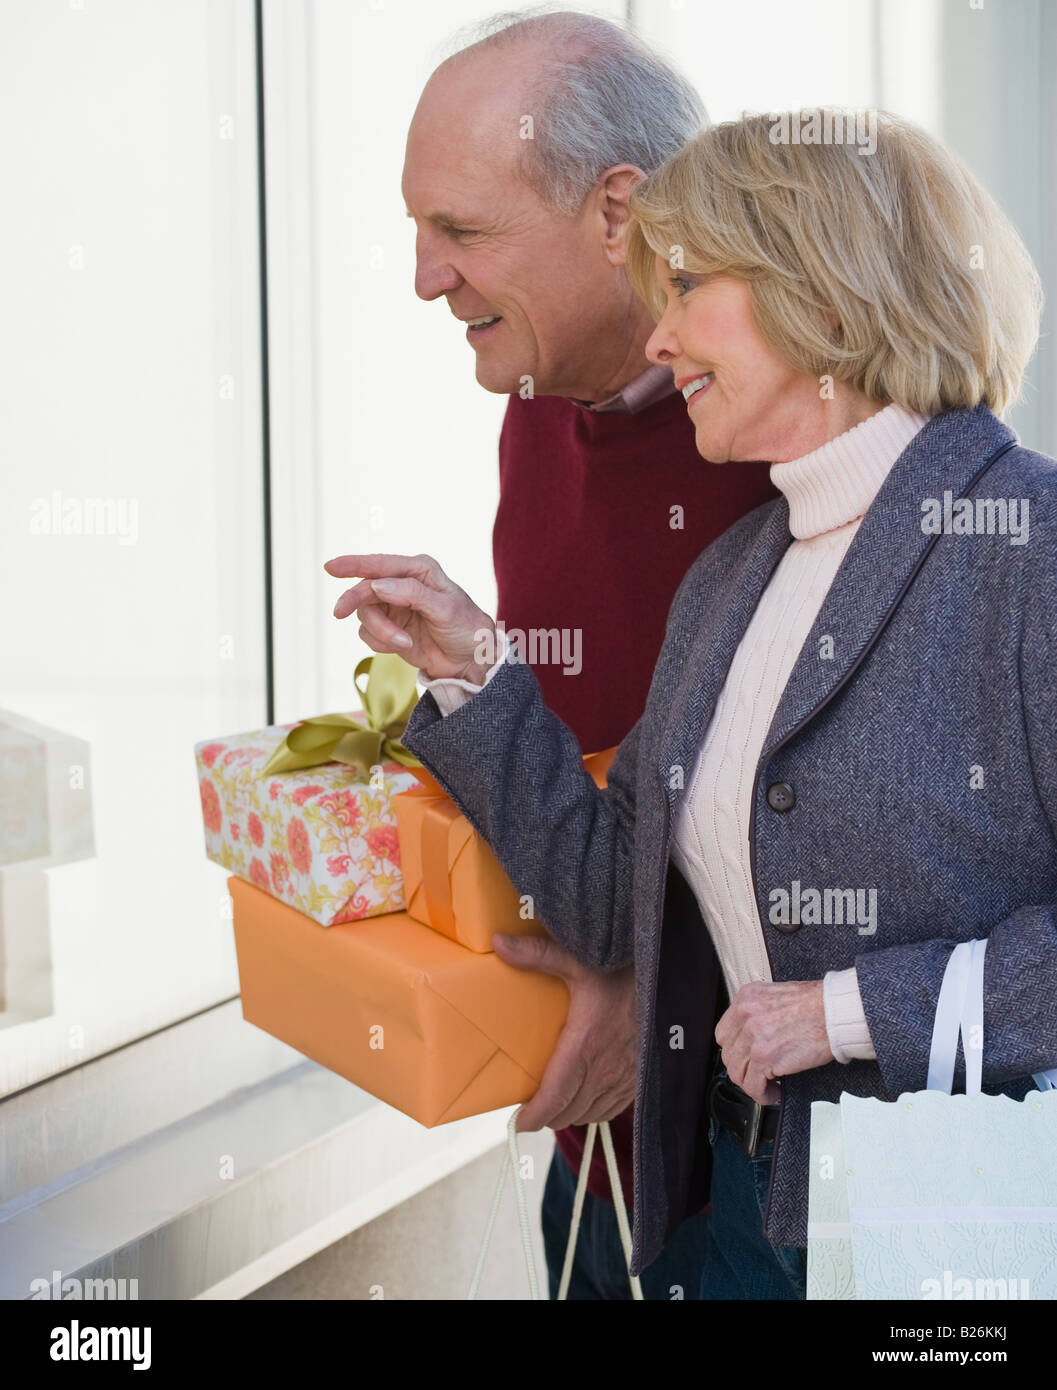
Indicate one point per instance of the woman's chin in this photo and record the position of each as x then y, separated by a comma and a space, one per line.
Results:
711, 448
714, 448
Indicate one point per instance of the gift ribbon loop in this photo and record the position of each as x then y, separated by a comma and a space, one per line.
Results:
388, 699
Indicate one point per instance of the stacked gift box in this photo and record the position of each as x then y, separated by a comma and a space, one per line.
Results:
364, 907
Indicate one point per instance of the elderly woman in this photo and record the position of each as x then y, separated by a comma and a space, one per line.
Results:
848, 759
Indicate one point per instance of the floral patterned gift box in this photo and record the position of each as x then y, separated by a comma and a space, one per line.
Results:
320, 837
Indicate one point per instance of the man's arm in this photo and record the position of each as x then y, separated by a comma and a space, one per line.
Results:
591, 1073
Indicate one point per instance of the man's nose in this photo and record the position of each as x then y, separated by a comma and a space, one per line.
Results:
434, 275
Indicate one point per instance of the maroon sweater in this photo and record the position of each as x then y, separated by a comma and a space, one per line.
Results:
584, 539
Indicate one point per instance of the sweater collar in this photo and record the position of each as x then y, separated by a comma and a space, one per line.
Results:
836, 483
651, 386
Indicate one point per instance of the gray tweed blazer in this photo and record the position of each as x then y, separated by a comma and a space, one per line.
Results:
917, 749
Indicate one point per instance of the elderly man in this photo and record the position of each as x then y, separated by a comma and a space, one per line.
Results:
521, 156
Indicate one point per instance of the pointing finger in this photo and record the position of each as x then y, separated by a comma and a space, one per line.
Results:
384, 566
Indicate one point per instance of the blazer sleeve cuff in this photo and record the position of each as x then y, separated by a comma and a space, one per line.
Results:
846, 1027
451, 693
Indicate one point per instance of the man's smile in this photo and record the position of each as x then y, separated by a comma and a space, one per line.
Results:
476, 328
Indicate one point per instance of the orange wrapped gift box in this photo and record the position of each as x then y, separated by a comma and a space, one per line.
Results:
417, 1020
452, 880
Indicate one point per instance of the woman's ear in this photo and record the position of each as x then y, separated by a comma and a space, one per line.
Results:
613, 190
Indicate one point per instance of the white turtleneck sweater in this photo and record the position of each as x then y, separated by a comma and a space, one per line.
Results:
828, 491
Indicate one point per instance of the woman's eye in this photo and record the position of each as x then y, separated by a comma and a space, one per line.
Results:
682, 284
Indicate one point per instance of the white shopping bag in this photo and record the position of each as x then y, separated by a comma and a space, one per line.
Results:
937, 1196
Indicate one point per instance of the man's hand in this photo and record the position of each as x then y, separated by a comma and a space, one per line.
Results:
771, 1030
591, 1073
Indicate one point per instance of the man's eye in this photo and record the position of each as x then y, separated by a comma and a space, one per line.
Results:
460, 233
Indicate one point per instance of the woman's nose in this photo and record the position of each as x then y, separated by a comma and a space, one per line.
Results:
662, 348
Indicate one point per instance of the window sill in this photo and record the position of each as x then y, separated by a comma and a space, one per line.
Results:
229, 1159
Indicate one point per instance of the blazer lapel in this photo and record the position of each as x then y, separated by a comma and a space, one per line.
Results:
709, 635
885, 554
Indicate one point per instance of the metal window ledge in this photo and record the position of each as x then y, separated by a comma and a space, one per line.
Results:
222, 1159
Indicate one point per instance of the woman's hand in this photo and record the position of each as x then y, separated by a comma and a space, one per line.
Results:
771, 1030
406, 604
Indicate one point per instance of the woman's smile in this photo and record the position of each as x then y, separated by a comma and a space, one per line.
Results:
693, 390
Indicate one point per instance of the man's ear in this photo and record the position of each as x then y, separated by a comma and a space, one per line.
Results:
613, 191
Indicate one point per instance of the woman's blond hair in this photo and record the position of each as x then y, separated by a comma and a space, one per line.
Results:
935, 296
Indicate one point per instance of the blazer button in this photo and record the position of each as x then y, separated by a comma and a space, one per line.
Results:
788, 927
780, 796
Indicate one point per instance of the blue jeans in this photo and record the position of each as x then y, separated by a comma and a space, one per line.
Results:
740, 1262
599, 1268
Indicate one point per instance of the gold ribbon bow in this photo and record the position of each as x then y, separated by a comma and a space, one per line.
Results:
388, 699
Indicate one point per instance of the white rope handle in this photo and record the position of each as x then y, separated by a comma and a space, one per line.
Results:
618, 1202
511, 1163
578, 1208
617, 1188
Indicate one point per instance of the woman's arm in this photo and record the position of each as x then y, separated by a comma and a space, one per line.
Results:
515, 770
511, 765
900, 986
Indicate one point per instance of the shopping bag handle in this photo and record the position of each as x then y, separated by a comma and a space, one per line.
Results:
512, 1164
617, 1189
960, 1011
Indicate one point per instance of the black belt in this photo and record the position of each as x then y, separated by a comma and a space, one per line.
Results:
749, 1123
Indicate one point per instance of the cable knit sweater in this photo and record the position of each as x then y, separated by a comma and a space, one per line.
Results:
829, 492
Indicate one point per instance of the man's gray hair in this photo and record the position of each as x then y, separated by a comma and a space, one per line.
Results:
603, 98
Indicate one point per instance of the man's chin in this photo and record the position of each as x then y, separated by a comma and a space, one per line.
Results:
502, 381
